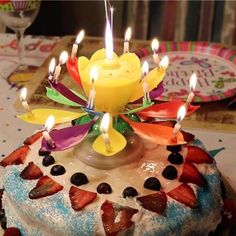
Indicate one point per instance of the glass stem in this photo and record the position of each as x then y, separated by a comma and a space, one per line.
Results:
20, 44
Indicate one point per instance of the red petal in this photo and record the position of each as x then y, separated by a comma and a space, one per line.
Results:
80, 198
72, 67
167, 110
109, 212
155, 202
159, 134
16, 157
197, 155
45, 187
32, 139
191, 174
184, 194
31, 171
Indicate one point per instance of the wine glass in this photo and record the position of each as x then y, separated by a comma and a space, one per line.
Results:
18, 15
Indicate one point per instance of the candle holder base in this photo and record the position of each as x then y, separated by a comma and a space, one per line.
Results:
133, 151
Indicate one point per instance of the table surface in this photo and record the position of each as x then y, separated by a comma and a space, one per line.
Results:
219, 130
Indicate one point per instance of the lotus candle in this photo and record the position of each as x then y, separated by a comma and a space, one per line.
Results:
193, 83
48, 126
180, 117
155, 46
51, 68
63, 58
127, 39
78, 40
25, 104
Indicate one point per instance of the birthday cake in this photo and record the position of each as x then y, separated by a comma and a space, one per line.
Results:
121, 165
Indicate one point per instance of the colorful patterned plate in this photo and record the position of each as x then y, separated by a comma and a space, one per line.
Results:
214, 65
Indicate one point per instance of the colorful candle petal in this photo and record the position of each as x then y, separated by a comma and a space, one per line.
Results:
138, 109
63, 90
40, 115
153, 78
72, 67
166, 110
67, 137
134, 61
117, 141
57, 97
158, 134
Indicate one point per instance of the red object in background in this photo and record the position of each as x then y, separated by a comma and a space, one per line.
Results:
72, 67
167, 110
4, 1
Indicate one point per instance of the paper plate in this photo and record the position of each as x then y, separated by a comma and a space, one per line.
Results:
214, 64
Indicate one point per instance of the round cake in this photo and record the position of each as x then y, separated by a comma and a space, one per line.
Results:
169, 190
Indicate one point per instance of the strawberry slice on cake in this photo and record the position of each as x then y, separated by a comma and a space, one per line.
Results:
31, 171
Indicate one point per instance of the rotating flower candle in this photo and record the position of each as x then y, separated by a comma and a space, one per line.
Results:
47, 127
127, 39
51, 68
63, 58
78, 40
155, 46
145, 69
192, 83
24, 102
164, 63
92, 93
110, 142
180, 116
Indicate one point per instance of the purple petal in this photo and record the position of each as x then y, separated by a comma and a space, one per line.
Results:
154, 94
63, 90
67, 137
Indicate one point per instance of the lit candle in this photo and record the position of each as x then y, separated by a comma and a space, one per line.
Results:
164, 62
63, 58
51, 68
78, 40
105, 123
145, 70
192, 85
92, 93
47, 127
24, 102
108, 41
180, 116
127, 39
155, 46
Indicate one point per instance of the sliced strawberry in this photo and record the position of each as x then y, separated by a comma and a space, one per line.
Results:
45, 187
191, 174
31, 172
116, 218
1, 193
188, 137
80, 198
229, 213
16, 157
32, 139
184, 194
12, 231
197, 155
155, 202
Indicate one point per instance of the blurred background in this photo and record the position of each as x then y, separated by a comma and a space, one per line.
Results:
179, 20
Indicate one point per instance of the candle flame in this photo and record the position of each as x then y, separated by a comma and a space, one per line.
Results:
105, 123
23, 94
108, 41
63, 57
164, 62
155, 45
128, 34
145, 68
52, 66
193, 82
181, 113
80, 37
49, 123
94, 73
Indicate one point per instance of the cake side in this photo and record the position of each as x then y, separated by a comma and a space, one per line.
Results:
53, 215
